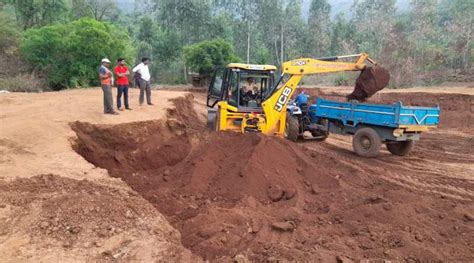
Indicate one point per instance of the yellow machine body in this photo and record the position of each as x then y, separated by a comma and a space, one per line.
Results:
270, 117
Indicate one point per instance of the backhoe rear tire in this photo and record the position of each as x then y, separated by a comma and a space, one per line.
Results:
366, 143
292, 128
400, 148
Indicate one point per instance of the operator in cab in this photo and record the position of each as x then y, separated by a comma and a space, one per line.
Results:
249, 91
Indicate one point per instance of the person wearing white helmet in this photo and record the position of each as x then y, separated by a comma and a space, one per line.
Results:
106, 81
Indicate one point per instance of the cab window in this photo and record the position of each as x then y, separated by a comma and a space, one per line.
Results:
234, 88
215, 88
253, 86
216, 85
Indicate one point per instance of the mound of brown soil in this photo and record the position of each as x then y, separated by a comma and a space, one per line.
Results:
264, 198
89, 221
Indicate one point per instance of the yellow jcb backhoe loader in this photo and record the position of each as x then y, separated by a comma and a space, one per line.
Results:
249, 99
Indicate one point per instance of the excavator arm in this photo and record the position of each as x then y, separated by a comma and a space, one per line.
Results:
274, 107
310, 66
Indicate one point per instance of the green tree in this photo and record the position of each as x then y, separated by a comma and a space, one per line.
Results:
342, 35
31, 13
246, 15
294, 29
9, 35
145, 38
188, 18
203, 57
272, 29
69, 54
374, 20
319, 24
98, 9
221, 27
424, 19
458, 33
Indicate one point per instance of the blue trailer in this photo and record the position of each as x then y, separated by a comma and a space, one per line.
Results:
371, 125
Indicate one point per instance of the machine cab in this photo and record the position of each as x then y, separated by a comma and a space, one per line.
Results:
242, 86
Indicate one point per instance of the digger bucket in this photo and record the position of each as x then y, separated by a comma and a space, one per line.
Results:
370, 81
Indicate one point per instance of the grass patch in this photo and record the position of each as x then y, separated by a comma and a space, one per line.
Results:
22, 83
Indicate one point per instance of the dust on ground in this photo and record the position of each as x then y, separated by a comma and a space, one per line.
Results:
235, 196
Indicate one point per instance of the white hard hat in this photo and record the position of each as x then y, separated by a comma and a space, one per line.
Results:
105, 60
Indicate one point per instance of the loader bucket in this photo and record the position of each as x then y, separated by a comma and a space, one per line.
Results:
370, 81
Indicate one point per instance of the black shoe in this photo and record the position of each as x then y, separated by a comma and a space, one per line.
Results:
128, 108
150, 103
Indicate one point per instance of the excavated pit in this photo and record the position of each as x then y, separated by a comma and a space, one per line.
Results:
265, 199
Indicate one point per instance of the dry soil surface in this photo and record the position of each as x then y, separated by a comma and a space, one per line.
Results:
236, 196
56, 206
230, 196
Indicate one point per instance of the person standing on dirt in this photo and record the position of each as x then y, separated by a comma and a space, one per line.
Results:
106, 81
122, 72
144, 80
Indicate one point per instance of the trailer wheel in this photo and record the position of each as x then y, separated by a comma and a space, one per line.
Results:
212, 120
292, 128
366, 143
400, 148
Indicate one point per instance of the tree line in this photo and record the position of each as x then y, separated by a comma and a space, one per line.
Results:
429, 43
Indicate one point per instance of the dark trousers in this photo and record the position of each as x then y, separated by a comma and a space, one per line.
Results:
108, 99
145, 88
122, 89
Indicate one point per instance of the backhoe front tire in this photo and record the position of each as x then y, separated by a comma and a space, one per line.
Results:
400, 148
292, 128
212, 120
366, 143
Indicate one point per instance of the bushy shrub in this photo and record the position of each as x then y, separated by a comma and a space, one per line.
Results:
341, 80
204, 56
69, 54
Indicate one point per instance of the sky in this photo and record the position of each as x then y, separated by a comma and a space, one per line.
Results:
338, 6
344, 6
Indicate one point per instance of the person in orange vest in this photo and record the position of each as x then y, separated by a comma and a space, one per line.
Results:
106, 81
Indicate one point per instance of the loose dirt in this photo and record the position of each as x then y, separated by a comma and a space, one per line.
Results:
235, 196
370, 81
88, 221
53, 218
230, 196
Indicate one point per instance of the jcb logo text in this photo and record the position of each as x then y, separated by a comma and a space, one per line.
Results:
282, 99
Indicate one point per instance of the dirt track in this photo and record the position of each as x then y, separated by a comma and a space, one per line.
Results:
264, 198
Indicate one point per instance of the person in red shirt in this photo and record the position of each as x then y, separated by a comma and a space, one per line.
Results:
122, 72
